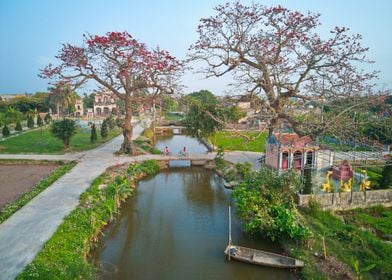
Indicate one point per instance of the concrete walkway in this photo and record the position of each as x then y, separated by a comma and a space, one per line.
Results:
23, 235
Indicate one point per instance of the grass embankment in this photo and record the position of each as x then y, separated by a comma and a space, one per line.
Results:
374, 174
64, 256
14, 206
347, 238
42, 142
239, 141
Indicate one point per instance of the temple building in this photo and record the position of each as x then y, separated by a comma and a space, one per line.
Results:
105, 104
287, 150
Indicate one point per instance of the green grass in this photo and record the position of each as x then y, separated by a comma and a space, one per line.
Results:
345, 240
37, 142
64, 256
173, 117
14, 206
237, 141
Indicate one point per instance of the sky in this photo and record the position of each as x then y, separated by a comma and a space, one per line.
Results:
32, 32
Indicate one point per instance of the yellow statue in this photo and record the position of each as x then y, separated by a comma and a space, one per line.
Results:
365, 184
327, 186
346, 187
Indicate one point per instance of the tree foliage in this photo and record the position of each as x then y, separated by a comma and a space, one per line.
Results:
64, 130
47, 118
30, 122
39, 120
278, 54
6, 131
93, 136
265, 202
18, 127
104, 129
386, 179
121, 64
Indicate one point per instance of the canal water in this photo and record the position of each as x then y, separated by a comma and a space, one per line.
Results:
175, 226
176, 143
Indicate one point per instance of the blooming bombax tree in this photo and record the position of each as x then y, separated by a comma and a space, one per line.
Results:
118, 62
278, 53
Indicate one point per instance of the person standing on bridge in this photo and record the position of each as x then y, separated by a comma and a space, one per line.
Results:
184, 151
166, 151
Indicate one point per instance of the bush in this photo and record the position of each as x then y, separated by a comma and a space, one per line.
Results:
47, 118
30, 122
104, 129
18, 126
307, 180
111, 122
6, 131
386, 179
265, 202
93, 136
64, 130
39, 121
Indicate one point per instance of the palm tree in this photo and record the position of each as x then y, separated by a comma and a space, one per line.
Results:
62, 96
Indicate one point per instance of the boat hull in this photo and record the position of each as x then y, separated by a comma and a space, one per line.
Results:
258, 257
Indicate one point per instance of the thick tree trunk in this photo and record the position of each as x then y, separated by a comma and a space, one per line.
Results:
127, 146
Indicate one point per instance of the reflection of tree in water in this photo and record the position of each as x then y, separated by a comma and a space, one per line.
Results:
202, 188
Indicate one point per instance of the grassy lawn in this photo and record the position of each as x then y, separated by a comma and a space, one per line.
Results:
353, 237
240, 141
37, 142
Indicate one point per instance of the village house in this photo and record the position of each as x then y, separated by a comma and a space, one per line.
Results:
79, 107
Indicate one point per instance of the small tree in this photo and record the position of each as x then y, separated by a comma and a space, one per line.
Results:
93, 136
30, 122
39, 121
64, 130
6, 131
47, 118
18, 127
307, 180
104, 129
386, 179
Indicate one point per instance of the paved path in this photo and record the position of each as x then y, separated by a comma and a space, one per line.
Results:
23, 235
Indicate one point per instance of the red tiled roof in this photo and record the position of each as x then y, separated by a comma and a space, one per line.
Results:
293, 138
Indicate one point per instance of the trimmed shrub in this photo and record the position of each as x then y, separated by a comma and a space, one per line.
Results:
6, 131
93, 136
104, 129
30, 122
39, 121
47, 118
18, 127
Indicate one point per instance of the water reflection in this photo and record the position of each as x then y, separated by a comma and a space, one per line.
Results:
175, 227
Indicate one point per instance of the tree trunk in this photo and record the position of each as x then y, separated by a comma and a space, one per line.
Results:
58, 110
127, 146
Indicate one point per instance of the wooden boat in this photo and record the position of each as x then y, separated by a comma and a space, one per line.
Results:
261, 257
258, 257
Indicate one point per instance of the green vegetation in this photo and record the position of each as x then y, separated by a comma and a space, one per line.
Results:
64, 256
386, 180
64, 130
39, 121
93, 136
12, 207
5, 131
239, 141
35, 142
104, 129
18, 126
374, 175
264, 200
30, 122
175, 117
345, 240
47, 118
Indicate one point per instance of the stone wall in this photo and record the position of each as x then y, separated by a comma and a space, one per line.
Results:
348, 200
